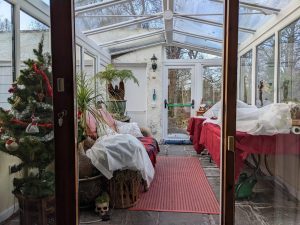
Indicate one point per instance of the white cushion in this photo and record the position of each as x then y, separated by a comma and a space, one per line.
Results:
128, 128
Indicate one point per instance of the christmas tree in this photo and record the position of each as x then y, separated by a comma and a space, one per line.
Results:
26, 130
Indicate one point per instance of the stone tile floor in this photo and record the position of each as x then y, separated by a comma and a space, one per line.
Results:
269, 205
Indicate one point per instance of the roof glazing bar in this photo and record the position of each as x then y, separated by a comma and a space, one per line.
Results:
137, 48
204, 37
98, 5
198, 48
131, 38
264, 9
212, 23
168, 8
122, 24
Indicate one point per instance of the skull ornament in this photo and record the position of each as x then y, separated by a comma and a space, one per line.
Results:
102, 208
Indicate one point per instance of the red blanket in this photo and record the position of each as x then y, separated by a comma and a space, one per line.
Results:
151, 146
208, 136
194, 128
247, 144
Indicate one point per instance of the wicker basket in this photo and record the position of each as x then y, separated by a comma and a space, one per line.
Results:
36, 211
124, 188
89, 189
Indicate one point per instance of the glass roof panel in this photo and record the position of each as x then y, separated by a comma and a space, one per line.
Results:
196, 41
143, 42
197, 7
127, 32
198, 28
278, 4
117, 13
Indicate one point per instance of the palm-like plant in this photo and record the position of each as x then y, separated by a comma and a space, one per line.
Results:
110, 74
86, 104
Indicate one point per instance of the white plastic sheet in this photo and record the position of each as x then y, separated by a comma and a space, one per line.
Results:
119, 152
269, 120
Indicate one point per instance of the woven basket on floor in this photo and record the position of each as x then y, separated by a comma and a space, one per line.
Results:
124, 188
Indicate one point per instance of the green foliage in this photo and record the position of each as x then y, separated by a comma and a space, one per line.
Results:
104, 197
30, 100
111, 74
86, 104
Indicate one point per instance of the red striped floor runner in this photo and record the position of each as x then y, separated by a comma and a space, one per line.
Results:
180, 185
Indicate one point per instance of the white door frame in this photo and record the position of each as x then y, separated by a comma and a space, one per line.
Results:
165, 92
196, 90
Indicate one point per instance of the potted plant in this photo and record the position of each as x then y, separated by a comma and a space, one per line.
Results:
90, 179
116, 103
26, 132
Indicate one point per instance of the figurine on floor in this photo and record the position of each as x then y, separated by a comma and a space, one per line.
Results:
102, 206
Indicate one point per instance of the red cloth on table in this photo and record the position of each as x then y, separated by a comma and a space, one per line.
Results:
151, 147
247, 144
194, 128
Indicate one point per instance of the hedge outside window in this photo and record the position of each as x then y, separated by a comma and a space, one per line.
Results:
246, 77
289, 62
265, 72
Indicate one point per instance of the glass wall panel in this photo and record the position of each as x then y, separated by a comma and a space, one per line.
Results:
267, 163
212, 83
78, 59
289, 61
89, 65
31, 32
6, 49
264, 90
26, 124
246, 77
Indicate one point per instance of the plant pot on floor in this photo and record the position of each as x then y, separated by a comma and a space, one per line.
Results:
36, 211
116, 106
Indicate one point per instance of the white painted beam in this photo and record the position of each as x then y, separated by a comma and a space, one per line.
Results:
121, 24
131, 38
168, 8
137, 48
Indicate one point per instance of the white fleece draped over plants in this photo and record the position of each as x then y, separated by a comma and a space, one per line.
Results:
268, 120
120, 152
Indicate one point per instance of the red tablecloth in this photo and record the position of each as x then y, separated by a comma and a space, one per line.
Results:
208, 136
247, 144
194, 129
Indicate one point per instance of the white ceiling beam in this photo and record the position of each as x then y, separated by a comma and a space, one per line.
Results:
212, 23
168, 8
198, 48
122, 24
137, 48
98, 5
255, 6
203, 37
131, 38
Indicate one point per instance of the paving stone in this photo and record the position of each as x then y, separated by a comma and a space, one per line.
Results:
270, 205
170, 218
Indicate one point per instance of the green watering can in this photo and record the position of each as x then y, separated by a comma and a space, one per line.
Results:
244, 187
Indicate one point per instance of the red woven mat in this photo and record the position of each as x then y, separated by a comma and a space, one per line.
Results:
180, 185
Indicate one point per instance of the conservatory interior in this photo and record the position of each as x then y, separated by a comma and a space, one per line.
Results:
148, 101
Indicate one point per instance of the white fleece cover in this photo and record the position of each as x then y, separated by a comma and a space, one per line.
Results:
120, 152
268, 120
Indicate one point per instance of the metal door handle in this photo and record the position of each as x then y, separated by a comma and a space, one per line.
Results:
193, 104
166, 103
